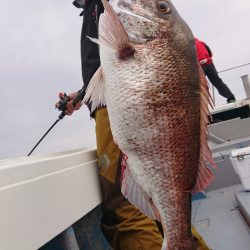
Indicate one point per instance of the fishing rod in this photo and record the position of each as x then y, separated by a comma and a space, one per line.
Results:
62, 106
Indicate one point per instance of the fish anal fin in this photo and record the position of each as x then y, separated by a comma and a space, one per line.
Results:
95, 91
204, 175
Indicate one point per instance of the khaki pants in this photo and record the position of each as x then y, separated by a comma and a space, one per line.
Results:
125, 227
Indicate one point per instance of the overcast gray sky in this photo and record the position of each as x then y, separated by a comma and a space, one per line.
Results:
40, 56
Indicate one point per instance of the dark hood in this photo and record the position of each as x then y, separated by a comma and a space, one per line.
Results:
79, 3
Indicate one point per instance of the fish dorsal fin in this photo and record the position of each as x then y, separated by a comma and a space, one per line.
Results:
95, 91
204, 175
135, 193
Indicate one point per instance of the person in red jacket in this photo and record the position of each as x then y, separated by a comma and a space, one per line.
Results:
204, 55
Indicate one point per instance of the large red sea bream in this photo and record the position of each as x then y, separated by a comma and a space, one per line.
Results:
157, 100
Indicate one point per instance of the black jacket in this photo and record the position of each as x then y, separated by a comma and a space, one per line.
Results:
89, 50
90, 58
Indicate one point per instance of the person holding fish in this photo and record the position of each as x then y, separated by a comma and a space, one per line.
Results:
204, 55
124, 225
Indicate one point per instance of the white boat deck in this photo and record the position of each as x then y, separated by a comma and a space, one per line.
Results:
230, 106
218, 220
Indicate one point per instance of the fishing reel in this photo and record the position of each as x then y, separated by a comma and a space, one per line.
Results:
62, 104
63, 100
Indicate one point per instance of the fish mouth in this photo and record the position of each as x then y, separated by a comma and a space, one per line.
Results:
126, 9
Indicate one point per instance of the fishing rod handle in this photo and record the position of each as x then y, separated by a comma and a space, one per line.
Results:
80, 96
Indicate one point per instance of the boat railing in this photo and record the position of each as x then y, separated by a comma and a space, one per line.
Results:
242, 74
41, 196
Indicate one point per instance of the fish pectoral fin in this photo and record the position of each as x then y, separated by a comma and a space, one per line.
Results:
136, 194
204, 175
113, 34
95, 91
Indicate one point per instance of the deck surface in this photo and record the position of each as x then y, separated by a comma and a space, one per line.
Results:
218, 220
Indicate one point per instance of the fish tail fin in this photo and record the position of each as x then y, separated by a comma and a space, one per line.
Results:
204, 175
112, 33
95, 90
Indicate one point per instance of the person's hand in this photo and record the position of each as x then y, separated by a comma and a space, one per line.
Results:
70, 107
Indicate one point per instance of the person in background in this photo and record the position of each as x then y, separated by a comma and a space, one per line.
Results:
123, 225
204, 55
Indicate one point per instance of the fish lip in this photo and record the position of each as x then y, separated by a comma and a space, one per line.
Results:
134, 13
124, 7
139, 40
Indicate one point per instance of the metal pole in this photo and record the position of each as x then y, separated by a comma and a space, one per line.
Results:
213, 95
246, 84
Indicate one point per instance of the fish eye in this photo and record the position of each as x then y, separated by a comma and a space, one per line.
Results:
164, 7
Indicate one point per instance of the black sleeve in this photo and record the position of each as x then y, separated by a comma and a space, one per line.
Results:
209, 50
89, 50
90, 58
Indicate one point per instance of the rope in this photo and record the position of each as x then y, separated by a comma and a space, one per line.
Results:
236, 67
